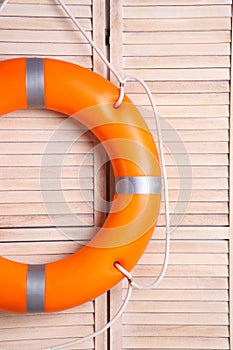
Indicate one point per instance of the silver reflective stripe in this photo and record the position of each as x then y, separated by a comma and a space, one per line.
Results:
35, 288
35, 82
138, 185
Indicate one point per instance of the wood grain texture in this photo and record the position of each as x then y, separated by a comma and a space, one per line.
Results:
184, 55
30, 231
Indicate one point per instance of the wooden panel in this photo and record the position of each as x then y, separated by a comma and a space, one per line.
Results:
29, 28
183, 49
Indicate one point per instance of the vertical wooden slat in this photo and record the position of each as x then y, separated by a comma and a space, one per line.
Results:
231, 197
116, 32
116, 329
99, 25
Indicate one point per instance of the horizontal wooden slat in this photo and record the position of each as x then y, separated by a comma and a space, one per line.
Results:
181, 270
177, 50
180, 74
192, 24
171, 37
180, 343
190, 246
177, 319
181, 86
68, 2
176, 62
173, 294
34, 344
51, 36
183, 99
176, 11
45, 220
186, 283
36, 24
177, 306
45, 10
45, 49
28, 172
168, 331
172, 2
186, 259
36, 196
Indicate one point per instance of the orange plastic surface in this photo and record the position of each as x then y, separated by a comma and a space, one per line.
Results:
76, 91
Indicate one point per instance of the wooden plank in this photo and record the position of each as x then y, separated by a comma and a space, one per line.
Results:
33, 344
177, 319
178, 271
169, 37
176, 11
45, 10
171, 62
28, 172
178, 342
36, 196
116, 39
180, 295
169, 331
182, 87
181, 74
189, 24
177, 307
68, 2
199, 232
194, 111
182, 99
27, 23
173, 2
46, 48
186, 259
43, 36
175, 50
116, 330
189, 246
185, 283
100, 321
99, 36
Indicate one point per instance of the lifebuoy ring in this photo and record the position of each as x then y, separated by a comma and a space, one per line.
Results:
73, 90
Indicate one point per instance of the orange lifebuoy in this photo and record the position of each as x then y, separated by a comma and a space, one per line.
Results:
74, 90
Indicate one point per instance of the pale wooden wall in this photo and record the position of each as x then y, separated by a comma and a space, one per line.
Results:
29, 28
183, 49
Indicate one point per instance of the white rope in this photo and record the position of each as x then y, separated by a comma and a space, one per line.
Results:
126, 273
91, 42
164, 175
103, 329
3, 5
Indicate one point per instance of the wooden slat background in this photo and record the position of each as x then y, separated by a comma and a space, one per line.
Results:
27, 233
183, 50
